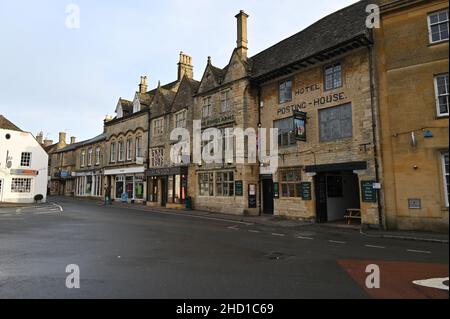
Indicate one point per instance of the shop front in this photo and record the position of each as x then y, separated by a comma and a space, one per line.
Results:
89, 184
167, 186
126, 184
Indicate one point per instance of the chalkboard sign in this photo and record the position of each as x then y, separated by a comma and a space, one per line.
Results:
252, 196
239, 185
369, 194
276, 190
306, 191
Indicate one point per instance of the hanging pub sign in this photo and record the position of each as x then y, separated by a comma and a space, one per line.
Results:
300, 126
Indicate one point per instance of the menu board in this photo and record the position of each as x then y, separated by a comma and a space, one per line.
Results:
306, 191
369, 193
239, 186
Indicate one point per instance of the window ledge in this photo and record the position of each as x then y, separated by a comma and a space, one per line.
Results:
432, 44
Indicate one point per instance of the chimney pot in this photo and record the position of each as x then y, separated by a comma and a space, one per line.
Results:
62, 138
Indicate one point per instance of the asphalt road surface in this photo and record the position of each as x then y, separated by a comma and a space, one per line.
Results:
134, 253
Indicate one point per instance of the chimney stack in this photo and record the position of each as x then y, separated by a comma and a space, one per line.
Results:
143, 87
242, 40
62, 138
73, 140
40, 137
185, 67
48, 143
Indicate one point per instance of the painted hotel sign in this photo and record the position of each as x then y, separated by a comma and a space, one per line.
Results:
311, 102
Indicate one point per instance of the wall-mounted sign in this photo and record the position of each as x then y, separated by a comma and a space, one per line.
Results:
414, 203
239, 186
276, 190
306, 191
24, 172
300, 126
252, 196
369, 193
218, 121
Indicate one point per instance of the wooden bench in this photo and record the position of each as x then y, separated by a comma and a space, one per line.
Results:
353, 213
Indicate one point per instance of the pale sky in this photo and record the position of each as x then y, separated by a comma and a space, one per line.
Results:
54, 79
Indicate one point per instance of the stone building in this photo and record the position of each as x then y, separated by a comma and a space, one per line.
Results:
90, 162
315, 87
171, 108
412, 64
125, 148
226, 100
62, 166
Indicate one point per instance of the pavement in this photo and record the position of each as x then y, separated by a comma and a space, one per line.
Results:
129, 251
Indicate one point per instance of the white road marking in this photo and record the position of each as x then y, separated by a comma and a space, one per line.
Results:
278, 235
233, 228
305, 238
58, 206
374, 246
337, 242
419, 251
254, 231
437, 283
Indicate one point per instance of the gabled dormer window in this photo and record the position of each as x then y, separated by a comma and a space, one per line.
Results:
119, 110
136, 105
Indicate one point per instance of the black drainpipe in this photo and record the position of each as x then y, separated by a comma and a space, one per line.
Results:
258, 159
374, 130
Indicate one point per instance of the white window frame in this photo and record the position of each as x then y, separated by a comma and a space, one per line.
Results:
158, 127
83, 158
25, 158
113, 156
138, 146
207, 107
334, 76
225, 101
437, 95
129, 149
121, 151
21, 185
430, 34
89, 158
180, 119
97, 155
445, 173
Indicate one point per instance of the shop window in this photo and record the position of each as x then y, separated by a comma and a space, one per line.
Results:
119, 187
333, 76
286, 134
225, 184
291, 183
441, 90
335, 186
285, 92
88, 185
139, 187
25, 160
206, 184
21, 185
335, 123
438, 26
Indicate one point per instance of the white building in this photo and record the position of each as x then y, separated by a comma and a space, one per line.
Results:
23, 165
